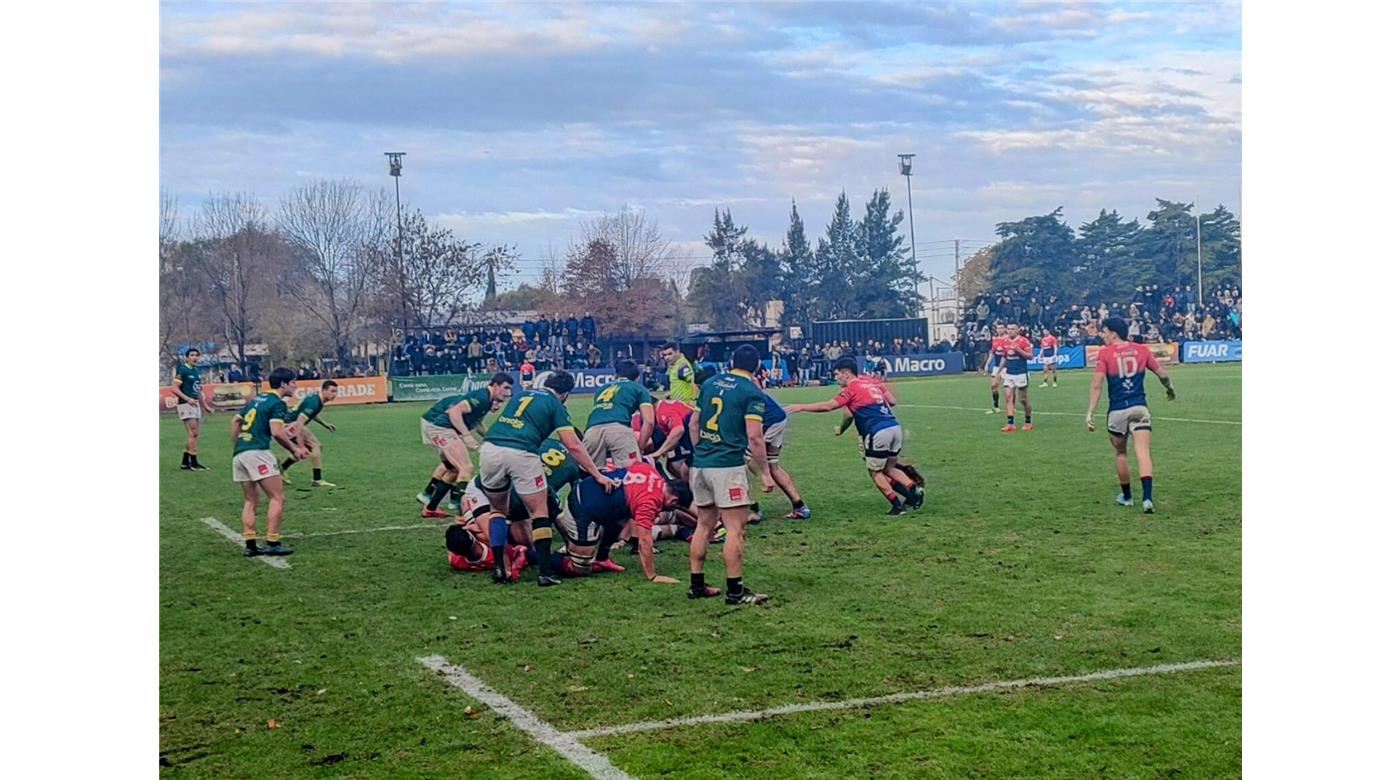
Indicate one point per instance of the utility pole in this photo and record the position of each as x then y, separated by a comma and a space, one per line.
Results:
957, 296
1200, 289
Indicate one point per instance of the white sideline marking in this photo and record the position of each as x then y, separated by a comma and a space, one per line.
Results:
1073, 414
896, 698
274, 561
595, 764
309, 534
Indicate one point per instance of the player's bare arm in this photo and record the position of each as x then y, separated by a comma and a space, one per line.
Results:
1095, 392
324, 424
821, 406
175, 387
673, 440
235, 428
648, 413
284, 438
459, 423
571, 443
1166, 381
759, 451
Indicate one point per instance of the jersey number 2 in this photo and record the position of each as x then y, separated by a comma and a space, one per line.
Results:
713, 422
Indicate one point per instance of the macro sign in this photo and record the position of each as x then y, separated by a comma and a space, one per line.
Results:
1212, 352
932, 364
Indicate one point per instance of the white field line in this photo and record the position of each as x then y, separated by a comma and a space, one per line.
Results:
939, 693
274, 561
310, 534
1069, 414
595, 764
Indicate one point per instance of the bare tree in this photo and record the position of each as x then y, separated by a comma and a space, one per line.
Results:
241, 257
335, 230
440, 274
640, 249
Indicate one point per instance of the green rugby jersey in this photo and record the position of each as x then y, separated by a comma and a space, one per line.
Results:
559, 467
528, 419
258, 416
478, 405
310, 406
189, 380
617, 402
727, 402
437, 413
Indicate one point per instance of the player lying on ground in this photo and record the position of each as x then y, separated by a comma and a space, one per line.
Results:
869, 403
598, 517
254, 428
299, 426
187, 387
1015, 376
448, 427
469, 547
1124, 365
727, 427
993, 366
510, 459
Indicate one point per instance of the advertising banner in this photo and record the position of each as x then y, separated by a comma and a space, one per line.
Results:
1066, 357
1165, 353
932, 364
427, 388
352, 390
1212, 352
224, 398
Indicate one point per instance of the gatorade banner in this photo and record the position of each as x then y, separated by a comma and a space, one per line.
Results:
1065, 357
1212, 351
352, 390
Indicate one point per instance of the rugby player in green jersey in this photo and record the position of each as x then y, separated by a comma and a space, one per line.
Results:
609, 431
300, 420
187, 388
448, 427
254, 428
727, 426
510, 459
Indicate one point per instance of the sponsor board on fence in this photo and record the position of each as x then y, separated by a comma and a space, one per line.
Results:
1165, 353
1212, 351
234, 396
432, 387
932, 364
1065, 357
352, 390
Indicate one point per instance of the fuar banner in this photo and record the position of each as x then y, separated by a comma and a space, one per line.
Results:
1212, 352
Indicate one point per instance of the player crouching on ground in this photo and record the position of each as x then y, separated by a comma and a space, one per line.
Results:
254, 466
300, 427
645, 494
869, 402
1124, 364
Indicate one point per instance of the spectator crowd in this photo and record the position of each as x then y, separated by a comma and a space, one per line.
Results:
544, 343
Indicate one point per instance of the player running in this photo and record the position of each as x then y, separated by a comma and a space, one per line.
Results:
774, 431
1016, 350
644, 496
447, 427
727, 426
1124, 364
869, 403
300, 427
680, 373
510, 459
1049, 351
254, 466
187, 387
993, 366
608, 433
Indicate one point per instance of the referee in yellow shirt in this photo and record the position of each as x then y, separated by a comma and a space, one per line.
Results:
682, 376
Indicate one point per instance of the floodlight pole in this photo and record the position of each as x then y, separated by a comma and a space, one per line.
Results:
396, 170
1200, 289
906, 168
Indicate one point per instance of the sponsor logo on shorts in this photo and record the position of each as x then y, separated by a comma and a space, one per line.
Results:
262, 468
539, 481
736, 494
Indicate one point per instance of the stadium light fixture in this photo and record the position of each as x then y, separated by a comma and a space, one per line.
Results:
396, 170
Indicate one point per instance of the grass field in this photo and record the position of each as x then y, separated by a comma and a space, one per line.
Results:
1020, 565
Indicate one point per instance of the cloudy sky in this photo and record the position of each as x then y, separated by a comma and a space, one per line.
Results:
521, 120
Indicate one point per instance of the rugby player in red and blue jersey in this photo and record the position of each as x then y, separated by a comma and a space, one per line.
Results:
1015, 377
1125, 364
869, 402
